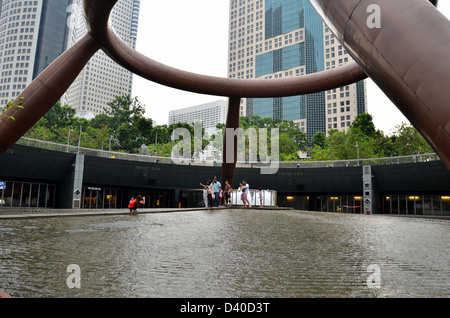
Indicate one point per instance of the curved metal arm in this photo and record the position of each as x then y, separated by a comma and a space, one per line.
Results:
97, 11
407, 57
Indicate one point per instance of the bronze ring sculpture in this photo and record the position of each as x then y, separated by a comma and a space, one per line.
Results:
409, 76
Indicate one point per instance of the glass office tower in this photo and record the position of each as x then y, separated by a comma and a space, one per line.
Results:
285, 38
102, 79
32, 35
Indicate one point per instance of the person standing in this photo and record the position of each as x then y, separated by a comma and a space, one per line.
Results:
260, 197
245, 188
205, 194
216, 190
210, 194
227, 194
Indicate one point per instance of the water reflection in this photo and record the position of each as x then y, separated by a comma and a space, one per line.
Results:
226, 253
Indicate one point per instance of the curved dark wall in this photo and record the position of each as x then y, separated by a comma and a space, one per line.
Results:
427, 177
142, 174
35, 164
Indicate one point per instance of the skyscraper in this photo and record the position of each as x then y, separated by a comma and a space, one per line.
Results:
210, 114
32, 35
285, 38
102, 79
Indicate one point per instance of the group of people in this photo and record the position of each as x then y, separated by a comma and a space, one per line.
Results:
215, 196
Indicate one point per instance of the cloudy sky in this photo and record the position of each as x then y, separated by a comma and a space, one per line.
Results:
193, 36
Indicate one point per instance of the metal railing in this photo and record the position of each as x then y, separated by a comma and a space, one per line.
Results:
195, 162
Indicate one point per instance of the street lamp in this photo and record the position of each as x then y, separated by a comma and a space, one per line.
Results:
357, 151
79, 140
331, 155
68, 138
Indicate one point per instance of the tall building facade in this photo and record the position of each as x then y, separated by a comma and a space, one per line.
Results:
32, 35
102, 79
284, 38
210, 114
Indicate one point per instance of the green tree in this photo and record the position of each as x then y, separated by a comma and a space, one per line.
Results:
123, 109
162, 150
298, 137
100, 121
340, 144
363, 140
364, 122
40, 133
59, 116
382, 145
200, 137
288, 148
409, 141
127, 137
12, 104
96, 138
319, 153
55, 124
319, 139
127, 126
291, 139
360, 140
160, 134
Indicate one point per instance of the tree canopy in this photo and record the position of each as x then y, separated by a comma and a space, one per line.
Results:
124, 128
363, 140
291, 139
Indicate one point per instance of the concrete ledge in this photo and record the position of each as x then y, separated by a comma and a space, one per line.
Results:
52, 213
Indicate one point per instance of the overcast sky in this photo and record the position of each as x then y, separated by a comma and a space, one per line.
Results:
193, 36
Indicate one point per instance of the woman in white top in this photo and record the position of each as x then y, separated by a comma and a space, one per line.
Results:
245, 187
205, 194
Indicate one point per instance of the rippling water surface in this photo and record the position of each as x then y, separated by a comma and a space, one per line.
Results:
226, 253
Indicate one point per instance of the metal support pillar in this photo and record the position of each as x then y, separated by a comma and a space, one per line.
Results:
228, 168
